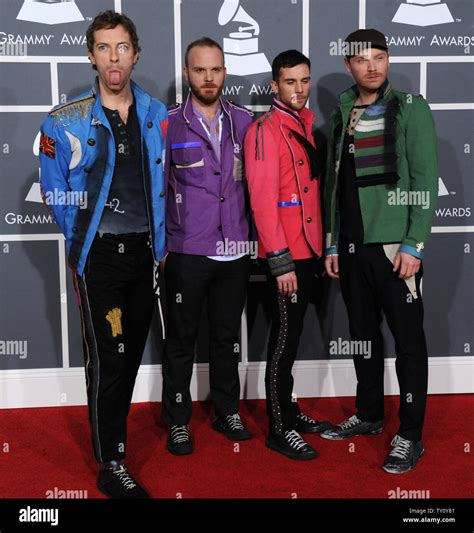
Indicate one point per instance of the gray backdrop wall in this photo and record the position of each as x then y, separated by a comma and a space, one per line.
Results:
431, 49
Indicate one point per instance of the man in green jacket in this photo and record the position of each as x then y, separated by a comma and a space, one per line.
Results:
380, 196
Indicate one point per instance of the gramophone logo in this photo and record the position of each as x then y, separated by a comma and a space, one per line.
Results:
34, 194
423, 13
50, 11
442, 189
241, 47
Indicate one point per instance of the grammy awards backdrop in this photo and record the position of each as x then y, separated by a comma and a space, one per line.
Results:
43, 62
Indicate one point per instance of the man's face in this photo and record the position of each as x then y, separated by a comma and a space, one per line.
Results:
114, 57
293, 86
369, 69
205, 73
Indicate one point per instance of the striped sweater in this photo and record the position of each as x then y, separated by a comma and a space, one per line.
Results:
373, 129
407, 125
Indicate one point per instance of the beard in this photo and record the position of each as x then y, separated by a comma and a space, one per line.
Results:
202, 96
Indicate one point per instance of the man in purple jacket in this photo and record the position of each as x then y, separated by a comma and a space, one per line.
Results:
208, 243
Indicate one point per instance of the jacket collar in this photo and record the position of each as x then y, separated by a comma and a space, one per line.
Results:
189, 116
142, 100
305, 117
348, 98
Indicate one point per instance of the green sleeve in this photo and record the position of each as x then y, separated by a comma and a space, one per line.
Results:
421, 149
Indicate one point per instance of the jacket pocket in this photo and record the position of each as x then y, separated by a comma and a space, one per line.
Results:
188, 163
199, 163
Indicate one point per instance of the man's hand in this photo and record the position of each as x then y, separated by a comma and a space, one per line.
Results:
407, 264
332, 266
163, 262
287, 283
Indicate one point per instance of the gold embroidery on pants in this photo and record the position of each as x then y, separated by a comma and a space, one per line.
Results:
114, 318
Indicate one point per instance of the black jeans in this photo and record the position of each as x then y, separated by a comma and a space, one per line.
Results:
116, 304
189, 279
287, 323
369, 286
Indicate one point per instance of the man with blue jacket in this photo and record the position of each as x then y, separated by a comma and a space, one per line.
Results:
105, 147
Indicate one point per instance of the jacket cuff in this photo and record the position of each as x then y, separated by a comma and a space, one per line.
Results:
280, 262
332, 250
415, 252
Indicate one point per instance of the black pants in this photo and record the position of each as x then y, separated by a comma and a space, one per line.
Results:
189, 280
116, 305
287, 323
369, 286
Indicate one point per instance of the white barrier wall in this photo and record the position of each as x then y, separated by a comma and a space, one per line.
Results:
43, 62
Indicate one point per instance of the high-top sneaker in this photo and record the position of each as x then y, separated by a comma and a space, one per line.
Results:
292, 445
179, 441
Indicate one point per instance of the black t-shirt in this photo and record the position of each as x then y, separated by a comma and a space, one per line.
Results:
125, 210
351, 226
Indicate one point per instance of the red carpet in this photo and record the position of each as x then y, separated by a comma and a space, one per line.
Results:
50, 448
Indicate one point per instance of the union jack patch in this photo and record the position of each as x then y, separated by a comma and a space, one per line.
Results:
47, 146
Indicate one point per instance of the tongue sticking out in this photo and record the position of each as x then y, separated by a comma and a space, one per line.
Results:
114, 77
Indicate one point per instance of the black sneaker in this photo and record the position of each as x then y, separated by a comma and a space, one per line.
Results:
231, 426
404, 456
117, 482
179, 441
292, 445
305, 424
352, 427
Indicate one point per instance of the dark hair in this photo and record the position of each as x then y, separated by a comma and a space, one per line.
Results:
203, 41
108, 20
288, 59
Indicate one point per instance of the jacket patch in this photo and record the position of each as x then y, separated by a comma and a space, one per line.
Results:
192, 144
114, 318
47, 145
72, 111
76, 150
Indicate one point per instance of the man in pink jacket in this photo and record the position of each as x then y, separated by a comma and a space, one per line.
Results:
283, 180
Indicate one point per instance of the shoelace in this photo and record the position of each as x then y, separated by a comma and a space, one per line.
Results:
401, 448
125, 478
179, 434
350, 422
294, 439
234, 422
306, 418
